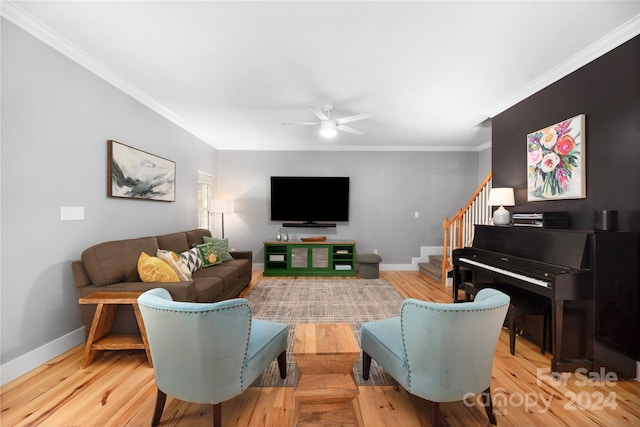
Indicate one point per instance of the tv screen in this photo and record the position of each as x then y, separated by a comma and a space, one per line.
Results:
309, 199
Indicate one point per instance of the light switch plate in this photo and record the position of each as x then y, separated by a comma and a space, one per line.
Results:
71, 213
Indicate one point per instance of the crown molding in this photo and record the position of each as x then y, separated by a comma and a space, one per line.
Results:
369, 148
28, 23
615, 38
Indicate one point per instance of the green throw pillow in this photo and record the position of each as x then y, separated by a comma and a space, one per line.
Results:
208, 254
221, 245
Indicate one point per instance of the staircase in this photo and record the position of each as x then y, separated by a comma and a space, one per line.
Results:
458, 232
433, 268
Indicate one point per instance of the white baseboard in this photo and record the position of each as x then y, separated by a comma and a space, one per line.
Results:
25, 363
399, 267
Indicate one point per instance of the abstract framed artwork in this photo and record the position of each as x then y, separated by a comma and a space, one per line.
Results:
135, 174
556, 161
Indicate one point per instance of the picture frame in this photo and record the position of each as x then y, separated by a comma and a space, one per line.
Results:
136, 174
556, 161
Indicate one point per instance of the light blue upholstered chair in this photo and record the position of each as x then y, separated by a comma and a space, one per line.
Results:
439, 352
208, 352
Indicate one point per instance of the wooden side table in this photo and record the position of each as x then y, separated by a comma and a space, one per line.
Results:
100, 337
326, 393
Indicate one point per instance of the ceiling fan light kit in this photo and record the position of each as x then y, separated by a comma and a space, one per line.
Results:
329, 127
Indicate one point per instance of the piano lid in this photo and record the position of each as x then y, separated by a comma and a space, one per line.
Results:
561, 247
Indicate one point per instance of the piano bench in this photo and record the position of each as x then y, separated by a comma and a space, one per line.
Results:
521, 305
525, 305
470, 291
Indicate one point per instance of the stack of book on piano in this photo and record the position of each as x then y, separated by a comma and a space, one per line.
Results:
544, 219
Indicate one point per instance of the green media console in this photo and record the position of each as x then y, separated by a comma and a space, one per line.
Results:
326, 258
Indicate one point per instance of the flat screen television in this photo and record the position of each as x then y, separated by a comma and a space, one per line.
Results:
309, 199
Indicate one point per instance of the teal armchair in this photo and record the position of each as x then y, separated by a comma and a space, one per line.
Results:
207, 352
439, 352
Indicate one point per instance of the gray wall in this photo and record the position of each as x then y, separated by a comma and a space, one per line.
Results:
56, 119
484, 164
387, 188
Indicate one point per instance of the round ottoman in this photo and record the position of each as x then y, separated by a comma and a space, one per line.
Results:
368, 265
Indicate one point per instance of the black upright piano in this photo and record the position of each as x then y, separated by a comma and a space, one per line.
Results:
590, 279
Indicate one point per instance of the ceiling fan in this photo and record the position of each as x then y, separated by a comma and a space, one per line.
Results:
329, 127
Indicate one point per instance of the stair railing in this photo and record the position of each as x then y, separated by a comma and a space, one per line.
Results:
458, 231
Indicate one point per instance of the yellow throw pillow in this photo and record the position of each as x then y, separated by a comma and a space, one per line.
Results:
153, 269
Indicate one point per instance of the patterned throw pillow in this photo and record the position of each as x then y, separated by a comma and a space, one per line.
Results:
176, 262
221, 245
192, 258
153, 269
208, 254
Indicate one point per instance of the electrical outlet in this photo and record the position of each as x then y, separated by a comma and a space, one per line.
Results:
375, 251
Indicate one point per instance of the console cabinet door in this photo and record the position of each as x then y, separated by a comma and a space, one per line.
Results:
299, 257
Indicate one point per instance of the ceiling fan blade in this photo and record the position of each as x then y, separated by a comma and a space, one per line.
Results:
303, 123
318, 112
349, 129
353, 118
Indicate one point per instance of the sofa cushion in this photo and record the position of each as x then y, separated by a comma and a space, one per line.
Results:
208, 289
194, 237
228, 274
222, 247
176, 262
176, 242
153, 269
192, 258
208, 254
116, 261
243, 265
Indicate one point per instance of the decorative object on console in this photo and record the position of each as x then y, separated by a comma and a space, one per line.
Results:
501, 197
314, 239
135, 174
555, 161
222, 206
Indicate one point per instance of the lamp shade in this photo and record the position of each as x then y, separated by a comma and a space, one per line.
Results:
222, 206
501, 197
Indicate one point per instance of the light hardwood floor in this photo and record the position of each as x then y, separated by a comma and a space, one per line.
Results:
118, 390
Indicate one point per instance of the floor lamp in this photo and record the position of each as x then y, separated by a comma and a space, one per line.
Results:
222, 206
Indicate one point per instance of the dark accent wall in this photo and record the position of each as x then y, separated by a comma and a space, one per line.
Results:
607, 90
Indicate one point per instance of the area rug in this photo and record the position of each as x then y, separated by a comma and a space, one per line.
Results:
351, 301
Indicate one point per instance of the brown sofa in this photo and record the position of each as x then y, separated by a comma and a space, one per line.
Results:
112, 267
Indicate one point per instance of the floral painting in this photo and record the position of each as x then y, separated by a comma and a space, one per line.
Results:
555, 161
135, 174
